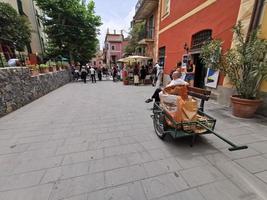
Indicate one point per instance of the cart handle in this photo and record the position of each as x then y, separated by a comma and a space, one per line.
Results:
234, 146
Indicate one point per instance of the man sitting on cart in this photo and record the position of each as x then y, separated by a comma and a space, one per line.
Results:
177, 80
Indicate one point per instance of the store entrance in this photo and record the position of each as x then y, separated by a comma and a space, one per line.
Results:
200, 71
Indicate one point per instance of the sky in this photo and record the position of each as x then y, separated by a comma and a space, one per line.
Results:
115, 14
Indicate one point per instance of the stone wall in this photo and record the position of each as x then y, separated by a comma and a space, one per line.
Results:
18, 87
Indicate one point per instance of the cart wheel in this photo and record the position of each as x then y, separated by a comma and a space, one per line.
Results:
158, 122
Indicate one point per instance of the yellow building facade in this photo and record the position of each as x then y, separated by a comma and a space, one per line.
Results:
264, 35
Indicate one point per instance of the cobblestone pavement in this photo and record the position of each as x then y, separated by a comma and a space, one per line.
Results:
96, 142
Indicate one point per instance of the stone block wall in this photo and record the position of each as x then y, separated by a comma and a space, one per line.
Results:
18, 87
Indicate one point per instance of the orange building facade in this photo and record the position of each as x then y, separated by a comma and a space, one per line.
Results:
184, 27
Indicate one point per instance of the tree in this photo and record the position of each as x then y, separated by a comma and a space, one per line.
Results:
72, 28
136, 34
14, 29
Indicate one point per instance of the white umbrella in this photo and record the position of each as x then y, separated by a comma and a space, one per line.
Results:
134, 58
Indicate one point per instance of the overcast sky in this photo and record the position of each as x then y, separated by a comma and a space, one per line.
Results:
115, 14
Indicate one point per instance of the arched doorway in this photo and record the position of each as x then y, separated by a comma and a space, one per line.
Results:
198, 40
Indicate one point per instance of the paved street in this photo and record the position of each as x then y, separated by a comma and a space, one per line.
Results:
96, 142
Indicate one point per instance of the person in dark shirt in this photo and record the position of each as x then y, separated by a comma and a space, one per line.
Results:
190, 73
143, 74
83, 74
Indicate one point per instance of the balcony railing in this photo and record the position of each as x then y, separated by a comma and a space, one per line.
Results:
147, 34
143, 8
150, 33
138, 5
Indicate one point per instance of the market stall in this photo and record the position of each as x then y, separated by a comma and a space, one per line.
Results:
129, 63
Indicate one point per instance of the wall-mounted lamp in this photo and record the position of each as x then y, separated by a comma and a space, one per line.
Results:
186, 47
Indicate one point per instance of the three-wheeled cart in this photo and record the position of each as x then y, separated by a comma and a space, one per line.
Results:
186, 129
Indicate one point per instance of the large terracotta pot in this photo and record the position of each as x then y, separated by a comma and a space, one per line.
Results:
244, 108
34, 72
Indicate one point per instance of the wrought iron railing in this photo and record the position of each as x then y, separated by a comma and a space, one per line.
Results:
147, 34
150, 33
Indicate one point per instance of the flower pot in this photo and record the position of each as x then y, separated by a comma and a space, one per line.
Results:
44, 69
51, 69
244, 108
126, 82
34, 72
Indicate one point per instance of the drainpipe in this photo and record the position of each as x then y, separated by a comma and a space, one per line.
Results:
256, 15
38, 28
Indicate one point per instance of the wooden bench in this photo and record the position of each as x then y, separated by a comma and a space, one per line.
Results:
199, 93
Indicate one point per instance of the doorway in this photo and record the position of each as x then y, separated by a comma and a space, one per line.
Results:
198, 39
200, 71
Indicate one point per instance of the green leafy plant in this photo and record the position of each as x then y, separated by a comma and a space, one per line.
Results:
245, 65
137, 33
14, 29
67, 21
51, 63
43, 66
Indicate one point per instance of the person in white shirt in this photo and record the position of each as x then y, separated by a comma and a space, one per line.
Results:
83, 74
13, 62
92, 73
159, 74
177, 80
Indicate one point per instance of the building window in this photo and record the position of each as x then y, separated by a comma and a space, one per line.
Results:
162, 52
165, 8
150, 28
112, 47
20, 8
94, 62
113, 59
199, 38
100, 63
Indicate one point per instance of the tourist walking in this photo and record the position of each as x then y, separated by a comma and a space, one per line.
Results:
76, 74
83, 74
143, 74
136, 75
153, 76
190, 73
99, 73
114, 73
159, 74
92, 73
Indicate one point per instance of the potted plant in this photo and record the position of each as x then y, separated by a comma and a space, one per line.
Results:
50, 68
34, 70
44, 68
245, 65
126, 81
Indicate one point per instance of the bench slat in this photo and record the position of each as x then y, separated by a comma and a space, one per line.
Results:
199, 90
200, 96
